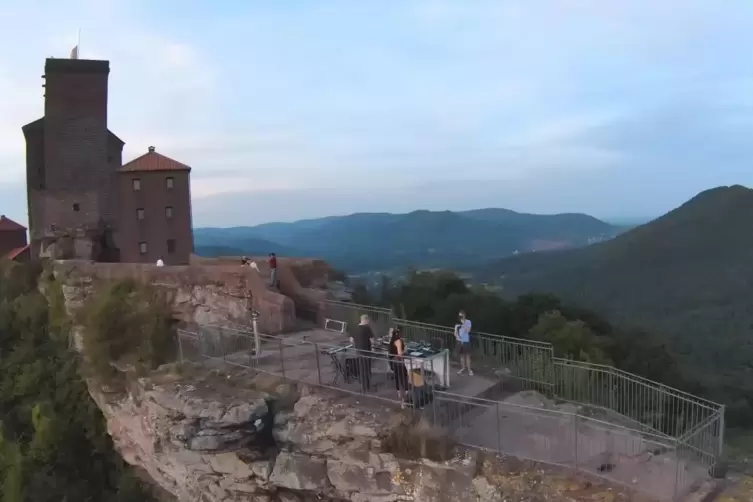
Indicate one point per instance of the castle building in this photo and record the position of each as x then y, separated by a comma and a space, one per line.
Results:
155, 210
13, 244
79, 201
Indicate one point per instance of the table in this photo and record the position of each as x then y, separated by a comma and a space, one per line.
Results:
421, 355
417, 356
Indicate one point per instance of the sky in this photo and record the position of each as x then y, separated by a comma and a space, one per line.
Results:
294, 109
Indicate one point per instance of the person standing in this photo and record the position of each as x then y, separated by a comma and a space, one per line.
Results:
272, 270
397, 364
362, 342
463, 336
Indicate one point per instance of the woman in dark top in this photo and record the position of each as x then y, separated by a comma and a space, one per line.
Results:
397, 364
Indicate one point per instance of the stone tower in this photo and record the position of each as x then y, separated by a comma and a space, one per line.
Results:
72, 161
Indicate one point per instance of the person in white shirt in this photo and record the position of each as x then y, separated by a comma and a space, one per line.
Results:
160, 263
463, 336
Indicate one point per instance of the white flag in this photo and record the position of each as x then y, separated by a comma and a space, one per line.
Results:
74, 53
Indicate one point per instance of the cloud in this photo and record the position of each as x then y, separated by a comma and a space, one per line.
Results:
286, 98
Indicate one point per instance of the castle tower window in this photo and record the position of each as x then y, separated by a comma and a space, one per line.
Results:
170, 246
142, 248
136, 185
169, 182
140, 214
168, 212
76, 207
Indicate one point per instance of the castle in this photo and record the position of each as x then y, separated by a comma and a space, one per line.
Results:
83, 202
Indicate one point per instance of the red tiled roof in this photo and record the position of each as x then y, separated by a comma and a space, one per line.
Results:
13, 254
6, 224
153, 161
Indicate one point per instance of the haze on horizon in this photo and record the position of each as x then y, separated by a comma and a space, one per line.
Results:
293, 110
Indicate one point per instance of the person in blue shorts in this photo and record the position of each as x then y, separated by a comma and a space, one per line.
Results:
463, 336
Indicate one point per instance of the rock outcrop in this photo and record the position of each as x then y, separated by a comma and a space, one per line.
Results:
210, 435
213, 295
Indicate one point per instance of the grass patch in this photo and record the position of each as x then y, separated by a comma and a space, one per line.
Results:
127, 324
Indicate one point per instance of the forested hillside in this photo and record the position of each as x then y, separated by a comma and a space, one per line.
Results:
575, 333
421, 239
687, 277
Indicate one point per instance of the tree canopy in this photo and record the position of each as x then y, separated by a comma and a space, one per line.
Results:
53, 442
575, 333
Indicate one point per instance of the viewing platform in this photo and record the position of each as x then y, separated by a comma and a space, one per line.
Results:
491, 410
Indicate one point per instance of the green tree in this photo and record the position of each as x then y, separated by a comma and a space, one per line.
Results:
53, 441
570, 339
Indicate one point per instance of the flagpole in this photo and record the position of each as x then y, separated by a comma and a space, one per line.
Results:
79, 44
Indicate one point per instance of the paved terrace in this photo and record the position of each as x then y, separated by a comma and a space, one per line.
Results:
481, 411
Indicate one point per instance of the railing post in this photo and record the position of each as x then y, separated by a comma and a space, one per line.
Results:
433, 394
576, 439
720, 448
180, 346
318, 366
255, 325
499, 431
282, 361
676, 494
410, 380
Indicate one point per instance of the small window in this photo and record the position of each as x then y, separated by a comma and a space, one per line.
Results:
169, 181
136, 185
76, 207
139, 214
142, 247
170, 246
168, 212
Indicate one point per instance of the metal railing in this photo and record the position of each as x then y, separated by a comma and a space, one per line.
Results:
610, 393
301, 360
667, 467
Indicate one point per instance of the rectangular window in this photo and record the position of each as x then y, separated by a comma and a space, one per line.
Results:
142, 247
139, 214
76, 207
136, 185
168, 212
169, 181
170, 246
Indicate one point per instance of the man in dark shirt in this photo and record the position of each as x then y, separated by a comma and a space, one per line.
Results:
362, 343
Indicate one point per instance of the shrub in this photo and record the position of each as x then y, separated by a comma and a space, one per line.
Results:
414, 438
127, 322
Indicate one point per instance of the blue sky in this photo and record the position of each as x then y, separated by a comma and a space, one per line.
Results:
293, 109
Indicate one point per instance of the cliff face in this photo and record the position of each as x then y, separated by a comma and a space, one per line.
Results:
209, 435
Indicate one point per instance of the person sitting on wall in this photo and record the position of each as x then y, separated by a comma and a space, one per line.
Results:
397, 365
160, 263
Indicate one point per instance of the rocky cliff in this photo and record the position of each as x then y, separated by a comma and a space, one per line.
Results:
219, 295
208, 434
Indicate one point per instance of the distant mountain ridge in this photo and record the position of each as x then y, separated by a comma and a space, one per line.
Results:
687, 275
422, 239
